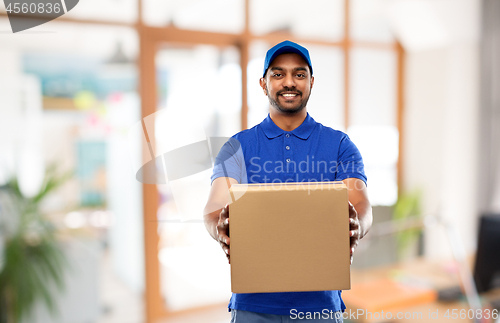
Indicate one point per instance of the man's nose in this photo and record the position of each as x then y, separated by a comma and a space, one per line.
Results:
289, 81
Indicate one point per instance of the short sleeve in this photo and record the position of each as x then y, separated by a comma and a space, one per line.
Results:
350, 162
230, 162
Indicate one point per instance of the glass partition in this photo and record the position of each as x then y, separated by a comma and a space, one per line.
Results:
326, 104
199, 98
373, 120
205, 15
295, 16
370, 21
124, 11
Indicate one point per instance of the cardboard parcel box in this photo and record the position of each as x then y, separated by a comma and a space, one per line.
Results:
289, 237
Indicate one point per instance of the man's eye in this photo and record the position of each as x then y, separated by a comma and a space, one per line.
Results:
301, 75
277, 74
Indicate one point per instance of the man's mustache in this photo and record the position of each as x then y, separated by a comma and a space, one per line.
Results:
288, 90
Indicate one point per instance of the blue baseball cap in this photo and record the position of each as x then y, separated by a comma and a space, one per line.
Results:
286, 47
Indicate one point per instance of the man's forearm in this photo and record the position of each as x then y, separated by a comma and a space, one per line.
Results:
211, 219
365, 216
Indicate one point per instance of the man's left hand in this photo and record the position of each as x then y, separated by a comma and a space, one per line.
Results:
354, 229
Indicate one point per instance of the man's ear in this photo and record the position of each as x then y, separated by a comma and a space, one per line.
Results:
263, 85
312, 81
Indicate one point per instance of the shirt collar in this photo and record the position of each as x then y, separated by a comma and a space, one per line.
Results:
303, 131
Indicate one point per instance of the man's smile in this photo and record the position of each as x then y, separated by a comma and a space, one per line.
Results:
289, 95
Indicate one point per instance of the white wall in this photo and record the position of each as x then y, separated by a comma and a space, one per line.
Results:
10, 110
441, 123
124, 194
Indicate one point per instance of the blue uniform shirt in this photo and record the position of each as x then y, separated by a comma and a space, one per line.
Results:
309, 153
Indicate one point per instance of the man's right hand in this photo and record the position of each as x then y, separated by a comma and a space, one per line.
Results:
216, 215
223, 231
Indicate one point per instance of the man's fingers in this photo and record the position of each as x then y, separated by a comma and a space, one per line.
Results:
223, 231
223, 237
227, 251
354, 245
354, 233
225, 247
351, 207
225, 211
223, 224
354, 229
225, 240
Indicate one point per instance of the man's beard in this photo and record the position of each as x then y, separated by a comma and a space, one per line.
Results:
297, 109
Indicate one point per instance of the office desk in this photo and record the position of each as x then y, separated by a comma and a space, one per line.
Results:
407, 292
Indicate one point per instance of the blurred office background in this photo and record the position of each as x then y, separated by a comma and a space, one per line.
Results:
111, 85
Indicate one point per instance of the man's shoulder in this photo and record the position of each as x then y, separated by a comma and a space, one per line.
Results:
330, 133
247, 134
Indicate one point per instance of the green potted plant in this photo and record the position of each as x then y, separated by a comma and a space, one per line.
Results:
33, 261
407, 207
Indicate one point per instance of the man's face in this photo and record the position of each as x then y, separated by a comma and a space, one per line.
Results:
288, 83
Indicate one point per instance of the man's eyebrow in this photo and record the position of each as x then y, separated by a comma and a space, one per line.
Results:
277, 68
